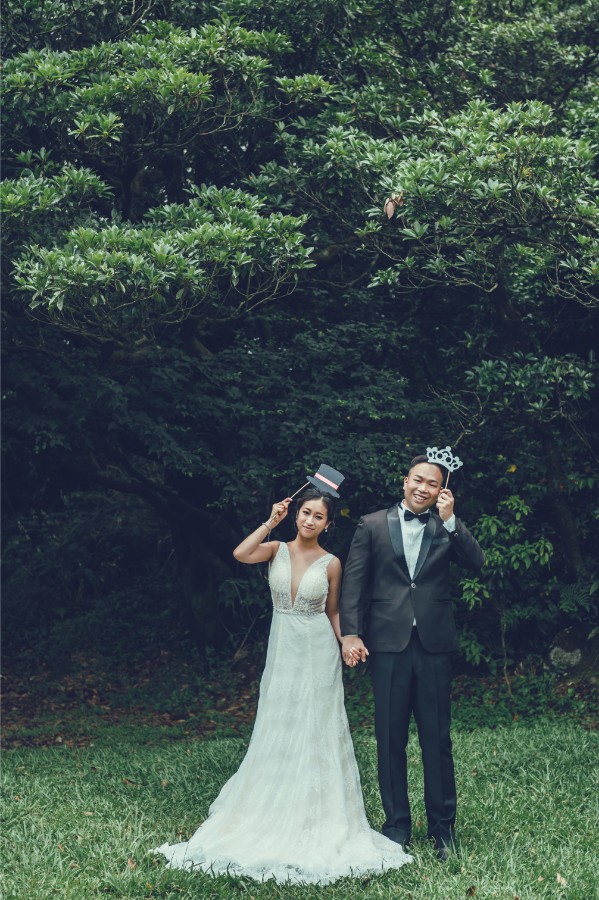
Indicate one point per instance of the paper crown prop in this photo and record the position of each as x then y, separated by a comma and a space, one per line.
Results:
444, 458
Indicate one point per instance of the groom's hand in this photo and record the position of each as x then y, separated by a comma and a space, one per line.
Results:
445, 503
353, 650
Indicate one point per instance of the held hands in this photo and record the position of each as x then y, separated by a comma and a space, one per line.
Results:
445, 503
278, 513
353, 650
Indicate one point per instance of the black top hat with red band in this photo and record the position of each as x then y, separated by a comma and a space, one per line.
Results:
327, 479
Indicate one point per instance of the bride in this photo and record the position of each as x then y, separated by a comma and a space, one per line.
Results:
293, 811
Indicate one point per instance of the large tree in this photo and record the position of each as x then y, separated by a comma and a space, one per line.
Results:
204, 296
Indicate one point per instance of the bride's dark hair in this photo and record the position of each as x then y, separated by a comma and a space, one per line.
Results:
313, 493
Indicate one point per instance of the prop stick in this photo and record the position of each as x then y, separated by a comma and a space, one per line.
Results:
299, 489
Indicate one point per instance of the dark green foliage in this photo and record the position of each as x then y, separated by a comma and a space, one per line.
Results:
490, 702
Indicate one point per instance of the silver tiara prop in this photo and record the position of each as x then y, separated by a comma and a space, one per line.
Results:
444, 458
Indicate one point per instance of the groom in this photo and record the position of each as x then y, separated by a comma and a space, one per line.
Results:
395, 601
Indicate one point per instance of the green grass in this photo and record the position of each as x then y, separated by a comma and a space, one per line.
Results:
79, 822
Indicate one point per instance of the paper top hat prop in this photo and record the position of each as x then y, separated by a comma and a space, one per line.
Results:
327, 480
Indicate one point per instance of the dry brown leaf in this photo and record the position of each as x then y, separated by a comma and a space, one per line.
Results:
391, 204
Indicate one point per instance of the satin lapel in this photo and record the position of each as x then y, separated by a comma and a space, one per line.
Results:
427, 537
395, 534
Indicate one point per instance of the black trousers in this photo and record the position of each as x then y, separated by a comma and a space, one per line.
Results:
418, 682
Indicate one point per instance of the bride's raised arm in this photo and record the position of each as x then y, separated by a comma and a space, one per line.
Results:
252, 548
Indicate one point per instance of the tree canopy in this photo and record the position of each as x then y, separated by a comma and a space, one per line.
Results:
243, 239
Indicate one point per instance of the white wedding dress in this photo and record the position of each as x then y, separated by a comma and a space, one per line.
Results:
293, 811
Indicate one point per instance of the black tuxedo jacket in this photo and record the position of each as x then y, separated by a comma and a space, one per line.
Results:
379, 600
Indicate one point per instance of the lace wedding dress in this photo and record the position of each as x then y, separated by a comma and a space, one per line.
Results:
293, 811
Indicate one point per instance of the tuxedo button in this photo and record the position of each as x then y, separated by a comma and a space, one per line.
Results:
412, 585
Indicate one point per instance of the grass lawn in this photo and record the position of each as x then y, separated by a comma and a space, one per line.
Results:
79, 821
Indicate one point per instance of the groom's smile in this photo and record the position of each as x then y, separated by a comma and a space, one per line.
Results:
422, 487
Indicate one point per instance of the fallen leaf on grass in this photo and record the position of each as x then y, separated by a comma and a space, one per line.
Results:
131, 864
471, 891
560, 879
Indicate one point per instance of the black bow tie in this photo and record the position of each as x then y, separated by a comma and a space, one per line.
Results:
409, 515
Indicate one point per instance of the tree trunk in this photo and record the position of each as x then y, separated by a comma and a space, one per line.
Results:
202, 573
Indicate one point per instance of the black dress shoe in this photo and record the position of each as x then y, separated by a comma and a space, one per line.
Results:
444, 849
397, 838
443, 852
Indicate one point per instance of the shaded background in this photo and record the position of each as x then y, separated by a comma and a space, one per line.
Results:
204, 300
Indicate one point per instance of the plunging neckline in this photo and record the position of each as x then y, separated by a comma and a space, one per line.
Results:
291, 597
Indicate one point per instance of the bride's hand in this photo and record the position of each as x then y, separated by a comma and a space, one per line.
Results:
279, 511
353, 650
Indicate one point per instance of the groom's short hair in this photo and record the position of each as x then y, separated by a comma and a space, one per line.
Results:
424, 459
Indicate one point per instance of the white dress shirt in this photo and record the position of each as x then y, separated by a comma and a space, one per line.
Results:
411, 533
